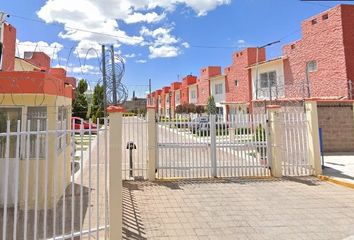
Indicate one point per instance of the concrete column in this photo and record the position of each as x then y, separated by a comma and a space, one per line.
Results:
152, 143
313, 136
275, 140
115, 172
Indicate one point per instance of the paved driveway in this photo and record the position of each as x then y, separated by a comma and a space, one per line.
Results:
290, 208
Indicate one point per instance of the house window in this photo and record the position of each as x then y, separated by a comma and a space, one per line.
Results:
37, 118
268, 79
177, 97
13, 115
193, 95
236, 83
325, 17
62, 125
312, 66
219, 88
314, 21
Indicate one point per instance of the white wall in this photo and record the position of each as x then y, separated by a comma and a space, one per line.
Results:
219, 98
191, 89
278, 90
177, 99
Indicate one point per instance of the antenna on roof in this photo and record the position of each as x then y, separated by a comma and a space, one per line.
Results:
3, 17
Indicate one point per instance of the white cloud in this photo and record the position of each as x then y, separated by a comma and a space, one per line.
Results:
51, 49
84, 69
163, 51
102, 16
88, 49
141, 61
242, 43
130, 55
185, 45
152, 17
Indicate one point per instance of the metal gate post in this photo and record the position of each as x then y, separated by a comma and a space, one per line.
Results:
115, 172
213, 145
275, 138
152, 143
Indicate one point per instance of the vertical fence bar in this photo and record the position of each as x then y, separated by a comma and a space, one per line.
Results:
64, 182
46, 159
17, 177
82, 174
90, 181
213, 145
105, 179
36, 182
6, 180
27, 179
98, 178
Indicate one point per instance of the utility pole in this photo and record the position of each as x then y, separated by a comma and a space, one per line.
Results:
104, 79
114, 80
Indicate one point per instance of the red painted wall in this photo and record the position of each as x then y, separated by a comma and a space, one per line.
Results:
348, 34
39, 59
188, 80
322, 42
237, 71
204, 83
9, 48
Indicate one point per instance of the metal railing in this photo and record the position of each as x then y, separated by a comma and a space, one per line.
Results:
48, 192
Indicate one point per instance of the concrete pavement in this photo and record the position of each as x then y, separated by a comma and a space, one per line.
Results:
288, 208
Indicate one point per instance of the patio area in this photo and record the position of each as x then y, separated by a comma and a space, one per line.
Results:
287, 208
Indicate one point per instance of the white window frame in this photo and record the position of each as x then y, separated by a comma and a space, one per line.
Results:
37, 115
264, 82
219, 88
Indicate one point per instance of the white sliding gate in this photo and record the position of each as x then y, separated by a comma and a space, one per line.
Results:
213, 147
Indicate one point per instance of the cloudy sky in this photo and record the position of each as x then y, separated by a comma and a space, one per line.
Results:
159, 39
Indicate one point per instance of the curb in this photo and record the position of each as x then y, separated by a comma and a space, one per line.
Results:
335, 181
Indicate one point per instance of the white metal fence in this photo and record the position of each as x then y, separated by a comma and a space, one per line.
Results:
295, 144
53, 183
135, 148
211, 147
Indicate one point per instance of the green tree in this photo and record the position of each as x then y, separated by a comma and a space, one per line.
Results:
97, 103
80, 104
211, 106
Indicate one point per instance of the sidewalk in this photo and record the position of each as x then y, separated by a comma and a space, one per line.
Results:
287, 208
340, 167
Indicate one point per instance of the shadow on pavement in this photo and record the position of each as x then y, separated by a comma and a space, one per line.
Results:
133, 227
70, 210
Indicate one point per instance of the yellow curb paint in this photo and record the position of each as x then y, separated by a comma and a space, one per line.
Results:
335, 181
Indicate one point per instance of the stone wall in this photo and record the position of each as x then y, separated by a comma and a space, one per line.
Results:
337, 123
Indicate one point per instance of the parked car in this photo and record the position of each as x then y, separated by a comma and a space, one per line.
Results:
198, 124
201, 125
76, 123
